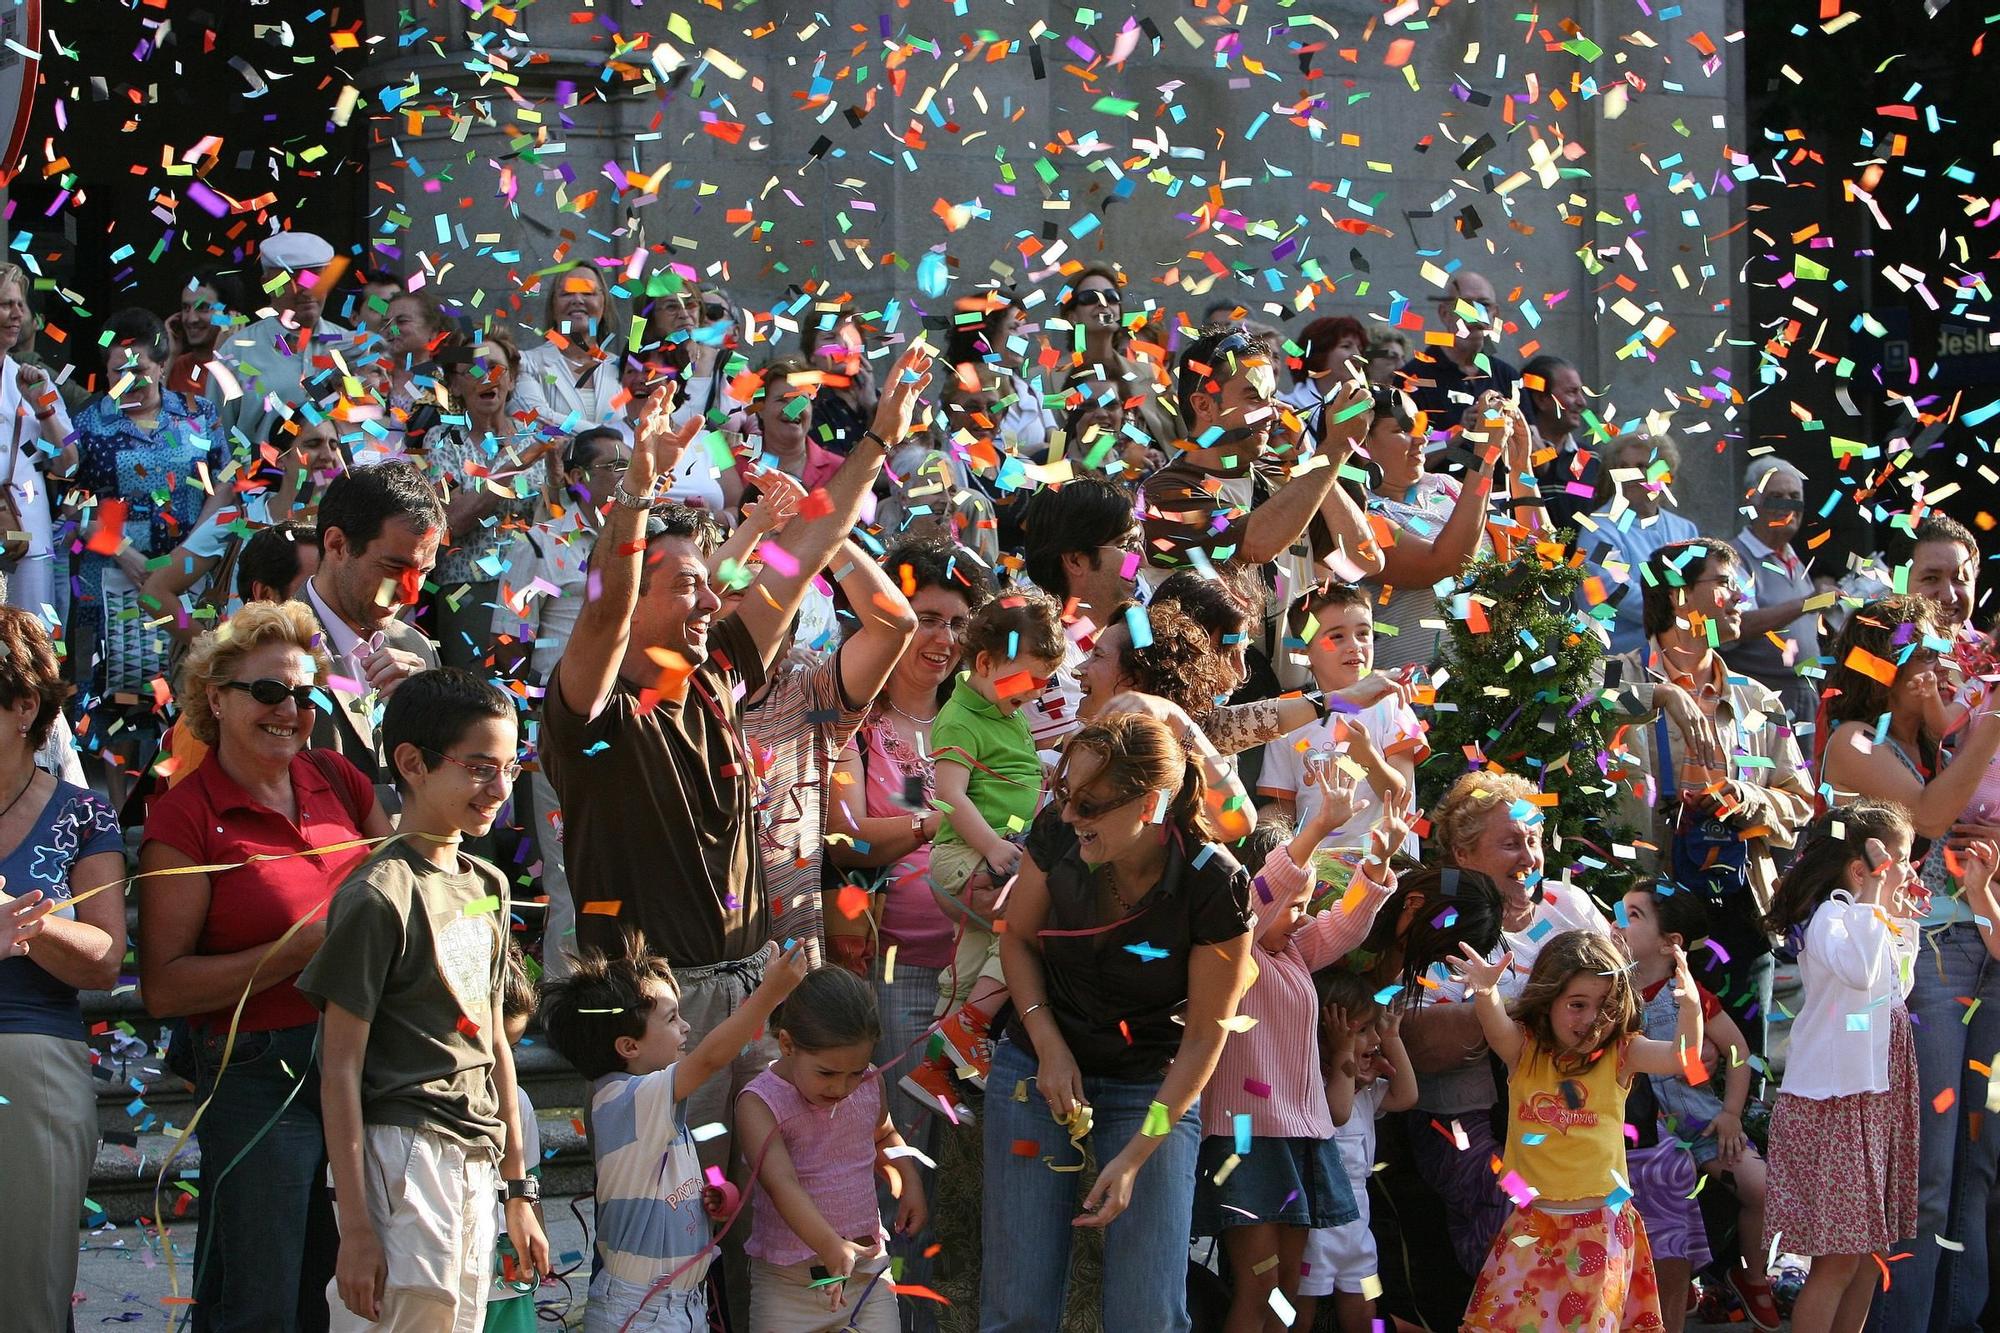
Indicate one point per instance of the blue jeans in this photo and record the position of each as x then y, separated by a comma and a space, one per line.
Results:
1934, 1288
1030, 1210
905, 1006
266, 1244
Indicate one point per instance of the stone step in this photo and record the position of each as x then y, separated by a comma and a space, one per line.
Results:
127, 1171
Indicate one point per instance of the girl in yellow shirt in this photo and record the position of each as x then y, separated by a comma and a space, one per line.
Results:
1573, 1255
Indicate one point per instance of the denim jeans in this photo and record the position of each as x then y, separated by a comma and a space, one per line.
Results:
905, 1006
265, 1247
1030, 1210
1935, 1288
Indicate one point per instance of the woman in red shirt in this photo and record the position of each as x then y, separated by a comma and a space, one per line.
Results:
288, 824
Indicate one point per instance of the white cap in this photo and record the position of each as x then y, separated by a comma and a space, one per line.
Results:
294, 250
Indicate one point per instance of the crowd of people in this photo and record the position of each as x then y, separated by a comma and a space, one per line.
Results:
1000, 745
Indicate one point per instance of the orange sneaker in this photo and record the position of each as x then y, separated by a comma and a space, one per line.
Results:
966, 1036
930, 1083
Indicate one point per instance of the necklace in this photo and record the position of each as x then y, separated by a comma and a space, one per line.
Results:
906, 715
32, 771
1111, 883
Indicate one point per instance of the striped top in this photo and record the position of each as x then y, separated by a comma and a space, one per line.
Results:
649, 1215
1271, 1072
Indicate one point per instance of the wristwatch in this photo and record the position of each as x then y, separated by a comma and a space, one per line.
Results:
529, 1189
625, 499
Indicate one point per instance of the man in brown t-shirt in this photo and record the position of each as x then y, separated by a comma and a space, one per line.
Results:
643, 738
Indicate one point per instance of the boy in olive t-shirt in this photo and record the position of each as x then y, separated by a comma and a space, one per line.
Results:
416, 1079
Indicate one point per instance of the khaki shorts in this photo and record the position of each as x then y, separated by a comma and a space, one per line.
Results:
783, 1300
432, 1203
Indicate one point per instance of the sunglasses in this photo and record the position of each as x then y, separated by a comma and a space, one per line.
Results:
1094, 296
271, 693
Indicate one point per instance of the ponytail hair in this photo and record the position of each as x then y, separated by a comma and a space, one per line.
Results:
1142, 754
1833, 841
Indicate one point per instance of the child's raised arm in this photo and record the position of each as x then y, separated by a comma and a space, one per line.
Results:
1339, 1063
1979, 858
733, 1033
1482, 981
1646, 1056
1403, 1075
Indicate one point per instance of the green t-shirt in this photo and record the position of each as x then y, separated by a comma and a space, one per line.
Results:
1006, 780
418, 952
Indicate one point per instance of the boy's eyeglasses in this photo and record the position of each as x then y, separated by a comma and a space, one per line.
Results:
271, 693
482, 773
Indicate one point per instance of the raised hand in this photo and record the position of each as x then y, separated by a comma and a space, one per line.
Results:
1336, 795
1339, 432
778, 497
1479, 976
897, 406
658, 449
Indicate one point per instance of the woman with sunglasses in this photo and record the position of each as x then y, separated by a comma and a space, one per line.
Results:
209, 939
1126, 950
1099, 345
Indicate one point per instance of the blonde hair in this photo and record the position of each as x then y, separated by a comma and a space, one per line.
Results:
1460, 815
555, 284
217, 654
17, 275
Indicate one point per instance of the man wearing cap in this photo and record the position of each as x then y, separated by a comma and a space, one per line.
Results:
265, 363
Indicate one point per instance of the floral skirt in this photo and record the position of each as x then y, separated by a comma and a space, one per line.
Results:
1588, 1272
1843, 1171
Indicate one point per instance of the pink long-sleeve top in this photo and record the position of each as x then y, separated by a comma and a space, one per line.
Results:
1271, 1072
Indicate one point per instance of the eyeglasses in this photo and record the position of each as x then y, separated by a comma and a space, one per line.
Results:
1061, 796
1094, 296
483, 774
1780, 504
930, 622
271, 693
714, 312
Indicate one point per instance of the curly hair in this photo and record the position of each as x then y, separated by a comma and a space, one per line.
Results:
1180, 665
1888, 629
1573, 954
1460, 815
1016, 624
217, 654
28, 670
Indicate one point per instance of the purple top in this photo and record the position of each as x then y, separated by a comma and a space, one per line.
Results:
833, 1152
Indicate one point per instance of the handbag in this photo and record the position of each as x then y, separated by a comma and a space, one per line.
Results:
1706, 854
15, 542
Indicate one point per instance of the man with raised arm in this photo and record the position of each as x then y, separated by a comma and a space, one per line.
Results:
644, 740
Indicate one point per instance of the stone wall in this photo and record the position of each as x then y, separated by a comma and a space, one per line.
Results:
1601, 205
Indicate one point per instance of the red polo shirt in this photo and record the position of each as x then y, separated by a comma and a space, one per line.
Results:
213, 821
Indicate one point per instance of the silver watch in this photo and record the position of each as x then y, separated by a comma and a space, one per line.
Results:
625, 499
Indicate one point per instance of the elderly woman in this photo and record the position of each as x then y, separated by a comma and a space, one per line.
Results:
1127, 947
572, 381
140, 450
487, 469
1779, 584
1490, 823
37, 427
1955, 1002
209, 939
62, 930
1632, 521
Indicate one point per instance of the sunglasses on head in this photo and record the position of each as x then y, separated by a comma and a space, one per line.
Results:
271, 693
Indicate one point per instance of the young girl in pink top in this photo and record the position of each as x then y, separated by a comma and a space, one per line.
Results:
814, 1129
1268, 1170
